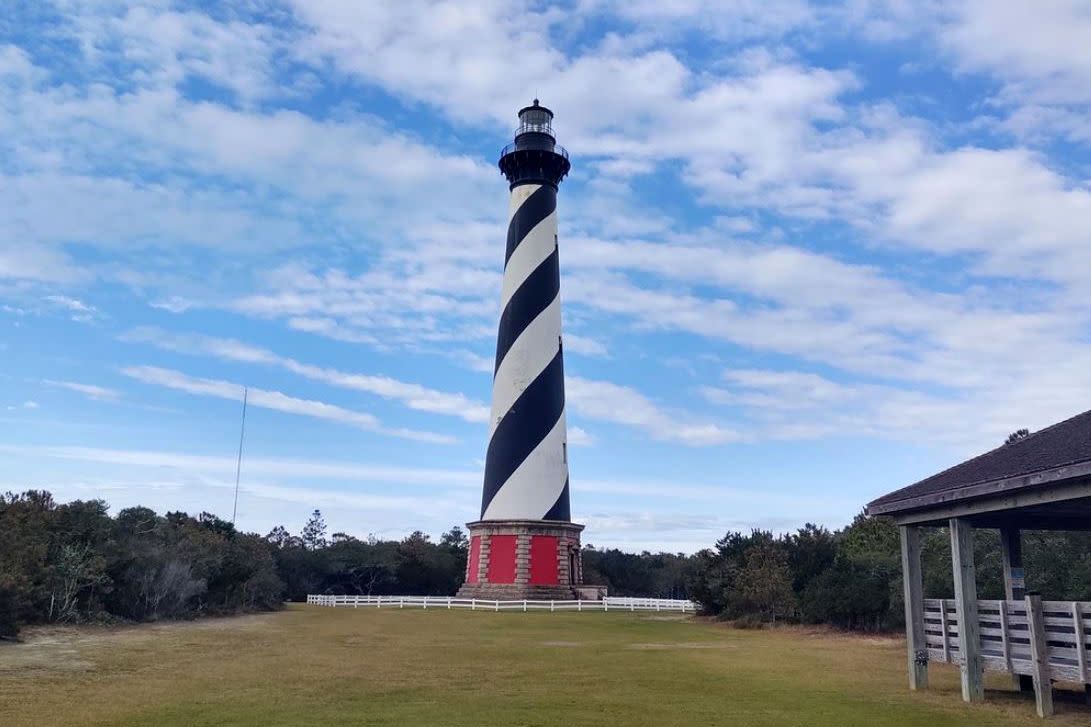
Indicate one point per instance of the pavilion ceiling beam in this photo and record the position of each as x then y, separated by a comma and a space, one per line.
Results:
1012, 501
1005, 485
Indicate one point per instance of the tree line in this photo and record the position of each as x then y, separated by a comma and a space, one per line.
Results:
75, 563
851, 578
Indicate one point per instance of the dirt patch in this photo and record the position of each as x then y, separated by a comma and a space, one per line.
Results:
683, 645
816, 632
69, 648
47, 653
563, 644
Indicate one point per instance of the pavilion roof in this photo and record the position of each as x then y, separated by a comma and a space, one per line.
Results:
1060, 445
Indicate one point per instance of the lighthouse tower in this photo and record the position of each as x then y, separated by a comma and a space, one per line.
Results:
525, 545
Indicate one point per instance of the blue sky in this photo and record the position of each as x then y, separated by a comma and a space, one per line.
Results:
811, 252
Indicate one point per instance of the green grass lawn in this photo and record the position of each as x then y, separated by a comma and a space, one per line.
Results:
329, 667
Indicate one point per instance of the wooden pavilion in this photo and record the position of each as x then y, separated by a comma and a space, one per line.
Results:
1041, 482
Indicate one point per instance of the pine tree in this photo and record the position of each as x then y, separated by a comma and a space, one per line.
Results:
314, 532
1017, 435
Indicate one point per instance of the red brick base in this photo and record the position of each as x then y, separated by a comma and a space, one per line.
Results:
496, 570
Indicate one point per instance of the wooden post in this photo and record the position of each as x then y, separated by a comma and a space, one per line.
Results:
1039, 652
1083, 637
969, 628
1005, 636
913, 585
943, 630
1081, 644
1011, 553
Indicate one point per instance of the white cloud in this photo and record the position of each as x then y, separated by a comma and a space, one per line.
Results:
29, 262
393, 304
1011, 212
1039, 49
174, 304
579, 437
611, 402
414, 396
1034, 52
474, 361
263, 466
584, 345
781, 404
91, 391
274, 400
16, 66
172, 46
725, 19
223, 466
81, 311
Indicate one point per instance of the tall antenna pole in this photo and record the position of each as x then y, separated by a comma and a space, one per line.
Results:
238, 462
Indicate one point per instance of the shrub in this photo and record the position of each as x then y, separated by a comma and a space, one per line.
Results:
749, 621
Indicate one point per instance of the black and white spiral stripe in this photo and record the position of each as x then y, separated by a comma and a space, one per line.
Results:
526, 467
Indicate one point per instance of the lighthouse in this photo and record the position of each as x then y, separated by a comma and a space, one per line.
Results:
525, 544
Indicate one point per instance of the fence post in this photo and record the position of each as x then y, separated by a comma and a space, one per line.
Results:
1081, 646
473, 604
943, 625
579, 604
551, 606
605, 605
524, 605
496, 605
426, 603
1039, 652
1005, 636
448, 603
401, 602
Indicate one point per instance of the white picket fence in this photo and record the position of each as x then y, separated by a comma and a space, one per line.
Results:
610, 603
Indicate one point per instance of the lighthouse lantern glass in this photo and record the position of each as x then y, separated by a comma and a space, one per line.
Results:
536, 119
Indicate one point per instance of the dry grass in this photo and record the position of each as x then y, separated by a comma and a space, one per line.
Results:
361, 667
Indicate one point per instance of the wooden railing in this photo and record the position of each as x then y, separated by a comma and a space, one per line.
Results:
1008, 641
612, 603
